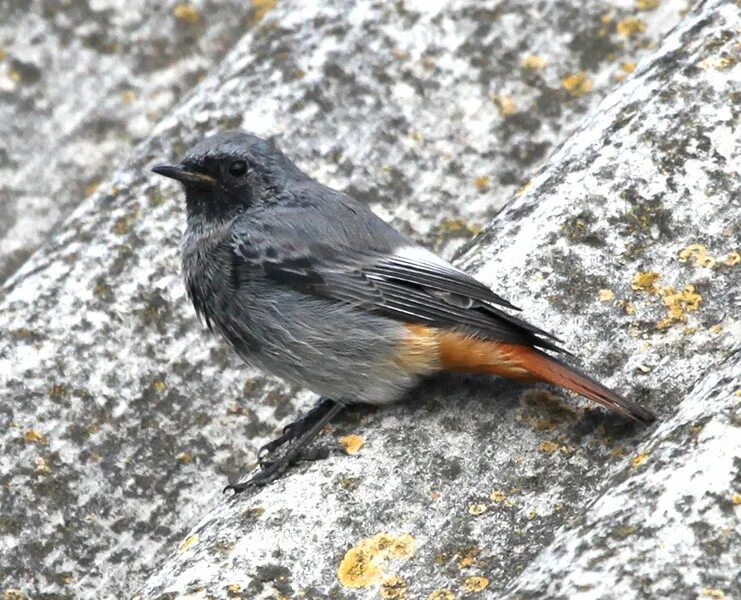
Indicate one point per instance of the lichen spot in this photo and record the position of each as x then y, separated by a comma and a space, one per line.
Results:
475, 584
189, 542
365, 563
630, 26
577, 84
645, 281
698, 254
394, 588
639, 459
351, 443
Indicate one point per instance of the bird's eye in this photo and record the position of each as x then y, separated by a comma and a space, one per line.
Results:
238, 168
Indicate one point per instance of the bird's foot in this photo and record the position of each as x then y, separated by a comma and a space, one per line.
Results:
301, 433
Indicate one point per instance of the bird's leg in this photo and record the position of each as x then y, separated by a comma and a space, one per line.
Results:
295, 430
308, 428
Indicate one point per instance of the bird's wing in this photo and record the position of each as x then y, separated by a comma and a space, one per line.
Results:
412, 285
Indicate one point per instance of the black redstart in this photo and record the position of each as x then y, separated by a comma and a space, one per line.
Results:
310, 285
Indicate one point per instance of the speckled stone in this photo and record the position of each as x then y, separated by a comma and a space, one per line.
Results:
122, 419
81, 82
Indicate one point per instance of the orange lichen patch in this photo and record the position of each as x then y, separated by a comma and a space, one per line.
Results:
394, 588
482, 182
736, 499
640, 459
419, 352
477, 509
188, 543
577, 84
351, 443
605, 295
441, 595
35, 437
261, 8
533, 62
363, 565
186, 13
505, 104
647, 4
678, 304
732, 259
498, 496
645, 281
698, 254
628, 67
475, 584
630, 26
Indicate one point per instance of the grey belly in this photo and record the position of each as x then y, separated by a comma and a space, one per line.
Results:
333, 349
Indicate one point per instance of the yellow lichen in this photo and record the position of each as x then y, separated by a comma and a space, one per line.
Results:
630, 26
628, 67
189, 542
647, 4
441, 595
549, 446
261, 8
13, 594
456, 225
736, 499
477, 509
468, 556
352, 443
35, 437
640, 459
185, 458
363, 565
186, 13
505, 104
699, 254
533, 62
645, 281
159, 385
475, 584
482, 182
605, 295
732, 259
498, 496
678, 304
234, 588
713, 593
577, 84
716, 329
394, 588
42, 465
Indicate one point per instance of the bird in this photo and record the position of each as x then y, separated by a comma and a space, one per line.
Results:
308, 284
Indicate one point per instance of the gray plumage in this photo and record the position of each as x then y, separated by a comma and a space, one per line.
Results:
309, 284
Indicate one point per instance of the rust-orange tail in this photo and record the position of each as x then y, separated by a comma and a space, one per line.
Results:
459, 352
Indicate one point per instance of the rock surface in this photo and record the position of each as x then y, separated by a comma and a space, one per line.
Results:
83, 81
121, 419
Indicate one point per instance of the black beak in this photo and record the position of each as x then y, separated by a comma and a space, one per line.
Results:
182, 174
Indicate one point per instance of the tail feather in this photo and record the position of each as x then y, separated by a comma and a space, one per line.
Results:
463, 353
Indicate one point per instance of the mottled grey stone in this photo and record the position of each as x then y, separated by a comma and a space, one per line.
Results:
122, 419
81, 82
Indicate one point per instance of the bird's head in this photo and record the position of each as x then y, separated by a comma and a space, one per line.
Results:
231, 172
